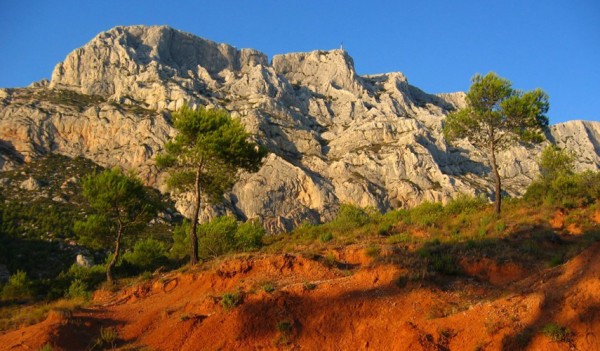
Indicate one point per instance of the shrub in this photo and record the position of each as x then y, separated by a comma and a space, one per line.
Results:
556, 332
400, 238
555, 162
230, 301
439, 259
268, 287
350, 217
18, 288
78, 288
464, 204
559, 185
249, 235
309, 285
217, 237
181, 241
427, 213
108, 338
326, 237
91, 276
445, 263
147, 254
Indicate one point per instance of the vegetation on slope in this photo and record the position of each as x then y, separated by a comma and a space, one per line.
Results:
433, 242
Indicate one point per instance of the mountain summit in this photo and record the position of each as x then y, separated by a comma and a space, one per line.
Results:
334, 136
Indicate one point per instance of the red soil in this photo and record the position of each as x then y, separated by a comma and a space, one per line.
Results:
371, 309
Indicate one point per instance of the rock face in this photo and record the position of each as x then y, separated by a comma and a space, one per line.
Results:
334, 136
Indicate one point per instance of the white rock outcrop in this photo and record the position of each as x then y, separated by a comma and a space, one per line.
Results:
334, 136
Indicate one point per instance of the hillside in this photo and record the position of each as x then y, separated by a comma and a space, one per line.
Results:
334, 136
349, 297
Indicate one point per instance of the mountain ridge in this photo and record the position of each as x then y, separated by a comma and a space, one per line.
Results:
334, 136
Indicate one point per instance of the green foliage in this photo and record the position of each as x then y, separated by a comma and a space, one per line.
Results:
91, 277
209, 140
18, 288
309, 286
218, 237
69, 98
230, 301
373, 251
464, 204
181, 241
123, 206
439, 259
427, 214
556, 332
555, 162
107, 339
350, 216
95, 231
249, 235
400, 238
565, 189
47, 347
326, 237
268, 287
497, 117
78, 288
147, 254
205, 155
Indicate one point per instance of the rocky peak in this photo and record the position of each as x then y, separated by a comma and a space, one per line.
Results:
320, 71
158, 66
334, 136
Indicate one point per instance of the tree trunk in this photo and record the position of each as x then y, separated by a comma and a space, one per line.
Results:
194, 228
498, 183
113, 262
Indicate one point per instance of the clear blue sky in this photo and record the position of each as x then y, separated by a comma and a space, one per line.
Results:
438, 45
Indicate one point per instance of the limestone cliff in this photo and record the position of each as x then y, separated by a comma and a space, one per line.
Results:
334, 136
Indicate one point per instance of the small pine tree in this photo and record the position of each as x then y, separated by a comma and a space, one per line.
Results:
204, 158
122, 205
497, 117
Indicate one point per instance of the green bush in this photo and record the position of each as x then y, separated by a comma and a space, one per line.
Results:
556, 332
18, 288
231, 300
555, 162
78, 288
249, 235
90, 276
350, 217
326, 237
464, 204
147, 254
427, 214
559, 185
217, 237
566, 190
181, 241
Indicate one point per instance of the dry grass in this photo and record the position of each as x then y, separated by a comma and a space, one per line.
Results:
17, 316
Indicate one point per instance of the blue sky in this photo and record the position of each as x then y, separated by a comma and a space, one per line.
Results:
438, 45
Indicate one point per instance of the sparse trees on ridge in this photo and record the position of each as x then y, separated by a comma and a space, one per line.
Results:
497, 117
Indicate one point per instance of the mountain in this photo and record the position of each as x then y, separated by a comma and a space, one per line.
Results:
334, 136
